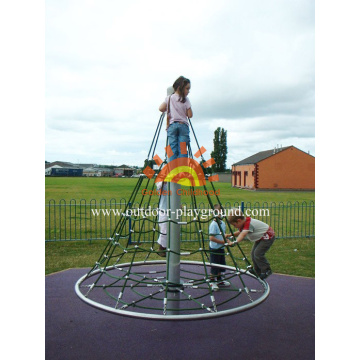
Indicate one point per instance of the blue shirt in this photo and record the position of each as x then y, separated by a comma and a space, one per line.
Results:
214, 230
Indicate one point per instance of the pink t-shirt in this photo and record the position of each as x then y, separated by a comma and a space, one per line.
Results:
178, 109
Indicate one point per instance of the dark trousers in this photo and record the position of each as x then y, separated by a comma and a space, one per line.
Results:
260, 247
217, 256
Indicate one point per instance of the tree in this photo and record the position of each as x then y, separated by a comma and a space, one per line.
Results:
150, 163
220, 150
207, 170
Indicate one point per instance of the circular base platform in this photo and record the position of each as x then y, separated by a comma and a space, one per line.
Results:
140, 289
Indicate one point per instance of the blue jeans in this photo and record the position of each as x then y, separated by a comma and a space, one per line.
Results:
217, 256
177, 133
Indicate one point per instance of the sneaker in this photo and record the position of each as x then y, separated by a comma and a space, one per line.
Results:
263, 276
162, 252
223, 283
214, 286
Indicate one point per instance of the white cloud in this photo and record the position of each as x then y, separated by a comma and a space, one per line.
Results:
109, 63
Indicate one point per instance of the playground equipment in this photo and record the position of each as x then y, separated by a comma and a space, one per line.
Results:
131, 279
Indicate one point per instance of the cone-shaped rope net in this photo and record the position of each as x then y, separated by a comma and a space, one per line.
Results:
133, 276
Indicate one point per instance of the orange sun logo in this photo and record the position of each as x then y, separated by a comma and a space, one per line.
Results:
183, 171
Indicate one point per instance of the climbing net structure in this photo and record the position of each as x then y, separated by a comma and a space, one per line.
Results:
133, 277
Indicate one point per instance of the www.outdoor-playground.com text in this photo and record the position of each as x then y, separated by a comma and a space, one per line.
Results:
184, 211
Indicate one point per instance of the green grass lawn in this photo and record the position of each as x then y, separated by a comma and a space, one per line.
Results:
107, 188
287, 256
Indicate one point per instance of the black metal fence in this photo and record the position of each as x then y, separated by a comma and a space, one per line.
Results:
96, 220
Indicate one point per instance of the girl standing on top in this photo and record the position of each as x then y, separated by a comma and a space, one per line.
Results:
179, 110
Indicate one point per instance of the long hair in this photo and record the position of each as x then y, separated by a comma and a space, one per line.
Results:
180, 83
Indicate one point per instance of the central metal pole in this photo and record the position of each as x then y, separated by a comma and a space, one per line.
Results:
174, 236
173, 256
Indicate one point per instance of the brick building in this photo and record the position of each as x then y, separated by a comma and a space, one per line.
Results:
124, 170
284, 168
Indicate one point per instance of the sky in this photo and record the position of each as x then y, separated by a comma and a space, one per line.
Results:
108, 65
